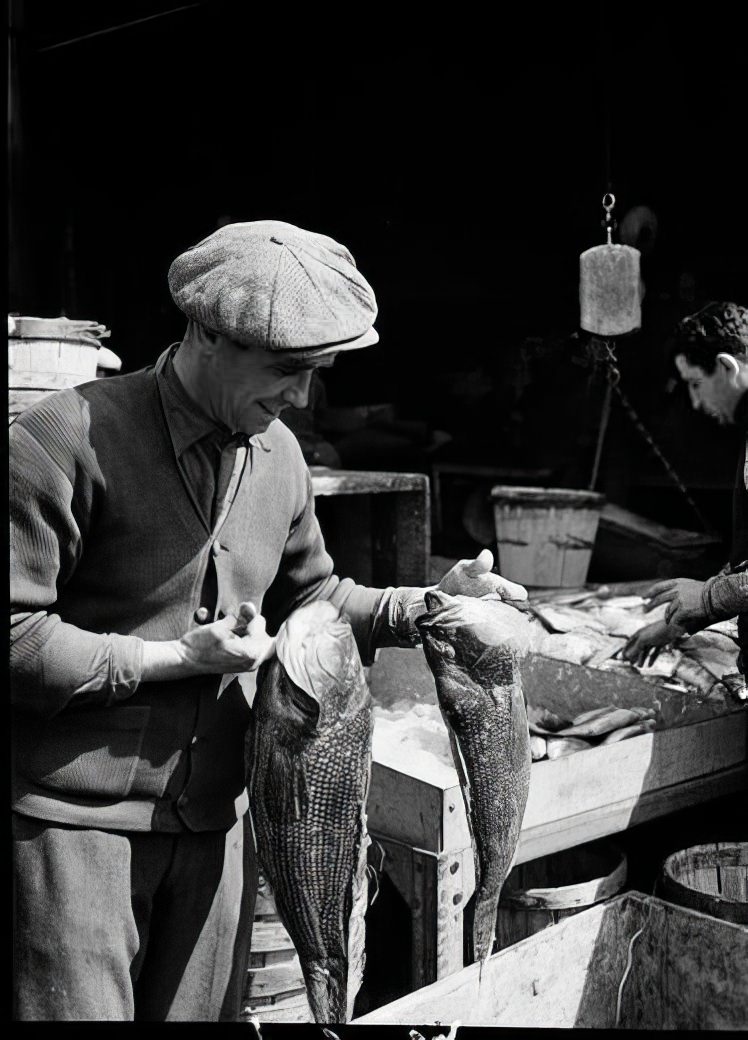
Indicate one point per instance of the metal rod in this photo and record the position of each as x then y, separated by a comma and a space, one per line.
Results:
604, 417
115, 28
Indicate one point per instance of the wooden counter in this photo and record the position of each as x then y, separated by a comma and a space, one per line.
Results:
417, 813
376, 525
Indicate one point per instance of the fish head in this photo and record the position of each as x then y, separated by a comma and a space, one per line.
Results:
317, 677
459, 632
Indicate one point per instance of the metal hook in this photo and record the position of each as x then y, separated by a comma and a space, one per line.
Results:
608, 206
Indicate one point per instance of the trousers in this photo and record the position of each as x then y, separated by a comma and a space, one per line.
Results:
143, 926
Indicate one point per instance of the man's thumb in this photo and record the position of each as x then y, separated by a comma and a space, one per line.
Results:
482, 564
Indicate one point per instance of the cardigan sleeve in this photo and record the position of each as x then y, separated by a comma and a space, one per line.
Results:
378, 617
53, 663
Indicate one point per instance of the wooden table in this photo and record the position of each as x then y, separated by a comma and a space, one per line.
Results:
416, 810
376, 525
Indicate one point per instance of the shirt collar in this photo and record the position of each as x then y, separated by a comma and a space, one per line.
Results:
188, 423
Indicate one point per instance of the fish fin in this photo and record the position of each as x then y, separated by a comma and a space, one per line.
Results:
356, 943
287, 797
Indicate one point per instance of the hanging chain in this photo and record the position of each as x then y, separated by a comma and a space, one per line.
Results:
609, 201
602, 351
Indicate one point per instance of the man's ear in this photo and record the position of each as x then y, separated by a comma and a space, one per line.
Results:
729, 361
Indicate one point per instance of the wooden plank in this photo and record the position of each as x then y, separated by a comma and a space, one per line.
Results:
552, 835
274, 980
586, 795
405, 808
685, 973
291, 1009
609, 775
455, 884
270, 935
364, 482
682, 975
538, 982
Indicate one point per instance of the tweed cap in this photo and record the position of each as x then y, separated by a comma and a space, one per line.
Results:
269, 284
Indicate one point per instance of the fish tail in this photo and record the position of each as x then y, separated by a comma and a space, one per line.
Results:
317, 991
484, 925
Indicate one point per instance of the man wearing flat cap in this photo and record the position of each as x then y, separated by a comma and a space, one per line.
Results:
163, 526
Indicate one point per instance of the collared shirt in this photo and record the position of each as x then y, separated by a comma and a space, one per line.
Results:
205, 449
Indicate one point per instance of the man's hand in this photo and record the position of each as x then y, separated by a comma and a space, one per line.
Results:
644, 646
685, 602
474, 578
236, 643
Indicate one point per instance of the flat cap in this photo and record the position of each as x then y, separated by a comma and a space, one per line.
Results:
269, 284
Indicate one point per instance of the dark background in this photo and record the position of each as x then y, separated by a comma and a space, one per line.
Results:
461, 159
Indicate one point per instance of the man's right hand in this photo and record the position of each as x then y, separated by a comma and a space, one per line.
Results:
645, 645
236, 643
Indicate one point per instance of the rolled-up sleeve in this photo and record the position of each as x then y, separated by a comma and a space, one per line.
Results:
725, 596
53, 663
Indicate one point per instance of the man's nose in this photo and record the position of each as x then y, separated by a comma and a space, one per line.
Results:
297, 392
694, 395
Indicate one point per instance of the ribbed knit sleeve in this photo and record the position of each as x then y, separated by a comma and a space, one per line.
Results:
52, 491
725, 595
378, 617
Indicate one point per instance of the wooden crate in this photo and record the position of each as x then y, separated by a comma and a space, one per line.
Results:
274, 990
376, 525
686, 971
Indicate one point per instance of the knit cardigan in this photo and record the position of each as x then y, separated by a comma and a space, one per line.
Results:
108, 550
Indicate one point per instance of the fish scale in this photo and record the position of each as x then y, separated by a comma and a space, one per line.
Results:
308, 795
473, 650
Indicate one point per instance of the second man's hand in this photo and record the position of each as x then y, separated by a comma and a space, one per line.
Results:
236, 643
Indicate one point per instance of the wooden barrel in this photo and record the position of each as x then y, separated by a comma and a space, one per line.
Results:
542, 892
545, 536
48, 354
710, 878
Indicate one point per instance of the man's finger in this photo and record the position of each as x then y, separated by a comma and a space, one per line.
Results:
245, 614
653, 655
256, 626
661, 586
482, 564
510, 589
662, 597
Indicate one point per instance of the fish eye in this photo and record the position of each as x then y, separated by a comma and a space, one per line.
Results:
444, 648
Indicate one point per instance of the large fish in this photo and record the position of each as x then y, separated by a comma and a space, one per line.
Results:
473, 647
310, 779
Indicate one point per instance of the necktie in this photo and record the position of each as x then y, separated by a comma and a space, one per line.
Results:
237, 442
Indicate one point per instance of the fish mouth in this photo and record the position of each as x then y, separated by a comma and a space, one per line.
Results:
435, 599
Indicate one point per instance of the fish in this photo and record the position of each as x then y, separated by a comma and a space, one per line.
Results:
312, 737
597, 724
473, 648
643, 726
559, 747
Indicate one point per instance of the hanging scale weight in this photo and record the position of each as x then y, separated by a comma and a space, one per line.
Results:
609, 285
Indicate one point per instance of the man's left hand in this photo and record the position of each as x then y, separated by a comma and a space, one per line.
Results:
475, 578
685, 602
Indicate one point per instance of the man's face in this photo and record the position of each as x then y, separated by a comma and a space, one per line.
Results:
249, 387
716, 394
